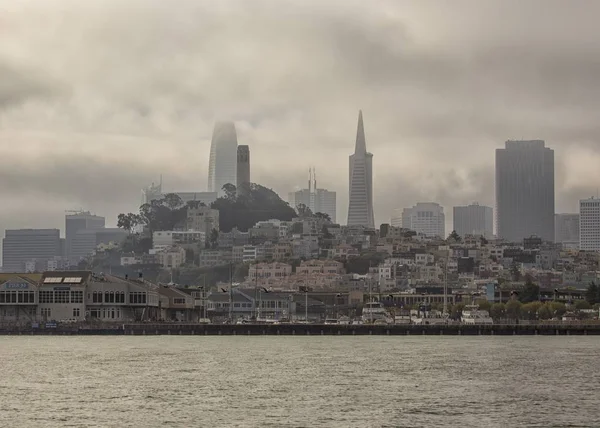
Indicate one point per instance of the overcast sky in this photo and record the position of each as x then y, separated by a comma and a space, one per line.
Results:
99, 97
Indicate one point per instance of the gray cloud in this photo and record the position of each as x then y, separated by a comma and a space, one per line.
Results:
97, 99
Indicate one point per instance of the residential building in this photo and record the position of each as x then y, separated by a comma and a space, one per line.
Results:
76, 222
203, 218
425, 218
222, 165
36, 246
243, 168
525, 191
589, 224
259, 271
310, 267
566, 230
167, 238
171, 257
318, 200
360, 207
473, 219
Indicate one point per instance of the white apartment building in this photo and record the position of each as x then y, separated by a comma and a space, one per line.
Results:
425, 218
171, 257
589, 224
269, 270
168, 238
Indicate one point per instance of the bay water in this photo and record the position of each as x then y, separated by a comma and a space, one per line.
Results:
277, 381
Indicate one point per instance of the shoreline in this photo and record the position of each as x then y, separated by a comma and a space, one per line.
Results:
311, 330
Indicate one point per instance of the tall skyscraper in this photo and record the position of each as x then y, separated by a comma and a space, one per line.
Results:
473, 219
360, 206
566, 230
222, 164
589, 224
21, 246
525, 191
75, 222
425, 217
243, 166
318, 200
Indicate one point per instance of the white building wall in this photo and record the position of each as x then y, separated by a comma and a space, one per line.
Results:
426, 218
589, 224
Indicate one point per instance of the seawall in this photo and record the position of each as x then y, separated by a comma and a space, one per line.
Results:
316, 330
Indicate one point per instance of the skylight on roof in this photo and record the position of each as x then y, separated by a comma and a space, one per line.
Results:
72, 280
53, 280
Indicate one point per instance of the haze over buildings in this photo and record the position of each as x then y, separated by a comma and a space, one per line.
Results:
473, 219
426, 218
92, 124
223, 161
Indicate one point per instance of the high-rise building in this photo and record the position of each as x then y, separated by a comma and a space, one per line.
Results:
360, 206
82, 220
589, 224
86, 242
22, 248
396, 220
318, 200
566, 230
222, 164
243, 166
525, 191
426, 218
152, 192
473, 219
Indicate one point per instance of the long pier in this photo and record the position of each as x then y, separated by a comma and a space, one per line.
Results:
315, 330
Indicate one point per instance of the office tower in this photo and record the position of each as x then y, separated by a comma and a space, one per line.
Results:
35, 247
426, 218
86, 242
566, 230
243, 167
152, 192
360, 206
589, 224
525, 191
318, 200
222, 164
473, 219
76, 221
396, 220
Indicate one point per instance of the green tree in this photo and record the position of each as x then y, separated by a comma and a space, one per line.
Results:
323, 216
558, 309
592, 294
484, 305
530, 292
529, 310
455, 237
498, 311
303, 211
515, 272
545, 311
213, 239
456, 311
513, 309
582, 304
230, 192
297, 227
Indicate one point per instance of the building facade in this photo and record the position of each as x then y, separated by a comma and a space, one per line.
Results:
426, 218
33, 246
318, 200
86, 241
566, 230
473, 219
525, 191
360, 207
203, 219
589, 224
222, 164
75, 223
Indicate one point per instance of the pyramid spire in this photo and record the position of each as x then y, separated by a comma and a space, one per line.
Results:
361, 145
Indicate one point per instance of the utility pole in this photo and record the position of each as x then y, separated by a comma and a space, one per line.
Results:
230, 293
445, 310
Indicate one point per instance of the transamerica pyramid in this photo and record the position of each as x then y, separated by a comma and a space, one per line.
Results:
360, 207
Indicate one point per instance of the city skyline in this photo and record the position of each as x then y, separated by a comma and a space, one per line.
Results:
91, 136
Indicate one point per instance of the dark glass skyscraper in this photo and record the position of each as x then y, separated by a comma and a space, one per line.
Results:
525, 190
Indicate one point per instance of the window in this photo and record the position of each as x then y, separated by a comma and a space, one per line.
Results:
76, 312
178, 301
46, 296
109, 297
95, 313
2, 296
97, 297
61, 296
46, 312
137, 297
76, 296
119, 297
